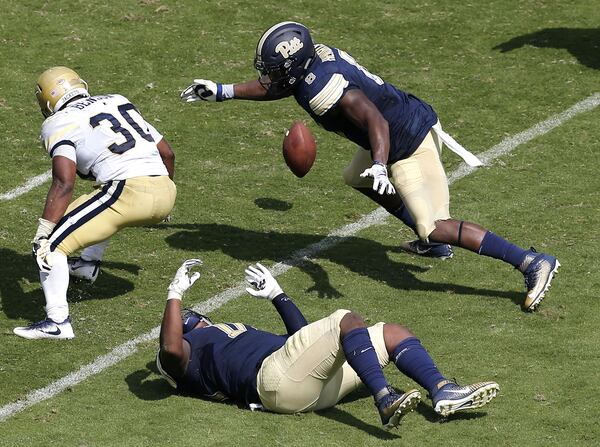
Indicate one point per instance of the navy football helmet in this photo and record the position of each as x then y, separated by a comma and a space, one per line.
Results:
191, 318
283, 53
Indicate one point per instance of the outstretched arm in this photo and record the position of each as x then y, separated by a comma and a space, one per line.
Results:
210, 91
174, 351
263, 285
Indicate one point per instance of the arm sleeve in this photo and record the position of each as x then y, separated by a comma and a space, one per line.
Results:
290, 314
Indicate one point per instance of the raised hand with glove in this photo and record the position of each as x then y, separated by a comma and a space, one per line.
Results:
183, 280
262, 283
381, 181
205, 90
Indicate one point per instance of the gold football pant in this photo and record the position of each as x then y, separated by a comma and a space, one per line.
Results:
309, 372
420, 181
95, 217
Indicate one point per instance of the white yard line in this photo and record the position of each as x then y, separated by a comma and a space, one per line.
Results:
27, 186
378, 216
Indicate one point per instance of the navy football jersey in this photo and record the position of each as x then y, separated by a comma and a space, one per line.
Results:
225, 359
332, 73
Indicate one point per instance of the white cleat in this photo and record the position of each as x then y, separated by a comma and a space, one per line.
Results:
46, 329
453, 397
84, 270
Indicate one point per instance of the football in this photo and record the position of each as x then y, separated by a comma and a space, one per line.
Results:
299, 149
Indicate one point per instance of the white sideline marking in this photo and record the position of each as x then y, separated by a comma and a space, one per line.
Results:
377, 216
27, 186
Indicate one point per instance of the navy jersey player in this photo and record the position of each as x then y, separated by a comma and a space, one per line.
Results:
395, 132
309, 368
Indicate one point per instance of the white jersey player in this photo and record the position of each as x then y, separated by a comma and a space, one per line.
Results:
103, 138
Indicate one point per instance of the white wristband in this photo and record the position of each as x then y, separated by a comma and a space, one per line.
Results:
227, 91
173, 296
44, 228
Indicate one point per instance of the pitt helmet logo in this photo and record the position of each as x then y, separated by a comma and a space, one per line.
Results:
286, 49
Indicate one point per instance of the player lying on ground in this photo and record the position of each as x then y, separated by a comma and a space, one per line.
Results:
393, 130
105, 138
310, 368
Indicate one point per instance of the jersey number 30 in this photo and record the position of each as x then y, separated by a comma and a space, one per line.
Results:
117, 127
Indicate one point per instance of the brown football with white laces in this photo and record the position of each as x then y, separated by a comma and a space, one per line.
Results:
299, 149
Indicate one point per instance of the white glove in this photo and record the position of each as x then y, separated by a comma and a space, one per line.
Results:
262, 282
203, 90
42, 254
40, 245
381, 182
183, 280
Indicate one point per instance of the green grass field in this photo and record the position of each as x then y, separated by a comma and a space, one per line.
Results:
238, 203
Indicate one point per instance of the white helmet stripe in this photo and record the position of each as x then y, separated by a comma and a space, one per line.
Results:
269, 31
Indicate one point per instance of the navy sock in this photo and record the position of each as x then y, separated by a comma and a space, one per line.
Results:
361, 356
414, 361
403, 214
497, 247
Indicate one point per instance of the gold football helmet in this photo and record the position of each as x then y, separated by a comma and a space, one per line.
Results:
56, 86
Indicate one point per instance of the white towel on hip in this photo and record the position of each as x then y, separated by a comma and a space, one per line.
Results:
469, 158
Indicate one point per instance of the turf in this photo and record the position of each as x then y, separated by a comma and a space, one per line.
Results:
490, 69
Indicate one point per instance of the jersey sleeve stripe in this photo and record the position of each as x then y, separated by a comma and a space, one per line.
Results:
329, 95
61, 143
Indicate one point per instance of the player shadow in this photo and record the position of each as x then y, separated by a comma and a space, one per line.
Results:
268, 203
146, 387
582, 43
21, 295
424, 409
363, 256
339, 415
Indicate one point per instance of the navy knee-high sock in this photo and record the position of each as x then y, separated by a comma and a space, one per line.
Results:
403, 214
497, 247
413, 360
361, 356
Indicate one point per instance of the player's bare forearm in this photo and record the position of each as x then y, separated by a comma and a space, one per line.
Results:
255, 91
61, 190
379, 138
365, 115
168, 156
172, 352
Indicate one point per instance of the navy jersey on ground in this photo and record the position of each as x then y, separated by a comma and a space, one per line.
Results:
225, 359
332, 73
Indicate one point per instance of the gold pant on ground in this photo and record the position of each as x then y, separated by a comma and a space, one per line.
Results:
420, 180
309, 372
94, 217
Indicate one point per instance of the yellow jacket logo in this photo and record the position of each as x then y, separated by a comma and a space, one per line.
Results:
286, 49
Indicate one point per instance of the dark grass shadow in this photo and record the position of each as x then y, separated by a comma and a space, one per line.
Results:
343, 417
427, 411
582, 43
424, 409
148, 384
363, 256
21, 295
267, 203
149, 388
